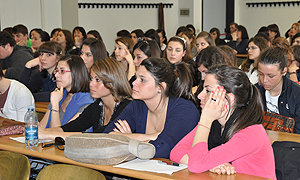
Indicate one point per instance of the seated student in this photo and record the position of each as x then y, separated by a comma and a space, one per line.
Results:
229, 129
137, 35
215, 32
203, 40
162, 100
110, 88
43, 82
239, 40
79, 35
38, 37
151, 34
279, 94
122, 53
14, 99
162, 38
273, 31
92, 50
230, 53
20, 34
177, 51
54, 34
255, 46
208, 57
233, 28
94, 34
123, 33
13, 57
294, 63
72, 95
64, 38
296, 39
143, 50
190, 42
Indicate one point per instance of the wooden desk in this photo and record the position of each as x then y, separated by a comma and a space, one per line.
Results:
41, 107
282, 136
58, 155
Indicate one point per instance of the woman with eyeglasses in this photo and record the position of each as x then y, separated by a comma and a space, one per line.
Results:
255, 46
110, 88
42, 82
239, 40
71, 96
92, 50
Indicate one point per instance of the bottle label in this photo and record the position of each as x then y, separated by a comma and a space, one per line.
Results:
31, 132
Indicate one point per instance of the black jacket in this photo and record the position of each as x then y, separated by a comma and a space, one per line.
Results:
91, 116
288, 101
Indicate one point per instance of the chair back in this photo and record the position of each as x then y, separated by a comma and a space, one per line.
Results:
14, 166
66, 171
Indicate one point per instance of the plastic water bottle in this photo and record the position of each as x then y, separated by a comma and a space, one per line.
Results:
31, 127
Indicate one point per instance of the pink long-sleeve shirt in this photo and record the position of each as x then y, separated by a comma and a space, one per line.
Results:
249, 150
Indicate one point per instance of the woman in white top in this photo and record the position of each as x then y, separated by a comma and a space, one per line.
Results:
249, 66
14, 98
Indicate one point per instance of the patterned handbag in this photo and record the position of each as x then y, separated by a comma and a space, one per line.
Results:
277, 122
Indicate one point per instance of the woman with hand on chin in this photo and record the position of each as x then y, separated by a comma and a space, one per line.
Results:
122, 53
110, 88
43, 82
163, 98
72, 95
229, 99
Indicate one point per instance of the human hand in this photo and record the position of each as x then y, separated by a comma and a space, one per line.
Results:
122, 127
225, 168
21, 43
32, 63
216, 105
128, 57
293, 68
234, 36
56, 96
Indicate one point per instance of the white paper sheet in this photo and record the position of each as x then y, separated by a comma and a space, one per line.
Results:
151, 166
22, 140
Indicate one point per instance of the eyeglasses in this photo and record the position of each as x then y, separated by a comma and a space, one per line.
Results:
60, 71
251, 47
59, 143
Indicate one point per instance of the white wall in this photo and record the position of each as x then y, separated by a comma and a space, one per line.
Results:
108, 21
214, 14
255, 17
184, 20
26, 12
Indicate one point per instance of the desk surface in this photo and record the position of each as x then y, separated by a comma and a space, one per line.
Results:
41, 106
57, 155
282, 136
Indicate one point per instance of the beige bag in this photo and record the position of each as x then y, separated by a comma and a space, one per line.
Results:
106, 149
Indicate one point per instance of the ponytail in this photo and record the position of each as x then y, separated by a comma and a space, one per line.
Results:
182, 86
177, 77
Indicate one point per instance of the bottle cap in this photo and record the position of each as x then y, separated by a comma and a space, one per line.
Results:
30, 107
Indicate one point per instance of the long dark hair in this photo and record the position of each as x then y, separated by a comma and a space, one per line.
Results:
177, 77
262, 44
247, 107
79, 73
149, 47
97, 48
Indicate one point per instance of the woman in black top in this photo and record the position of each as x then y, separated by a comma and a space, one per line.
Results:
110, 87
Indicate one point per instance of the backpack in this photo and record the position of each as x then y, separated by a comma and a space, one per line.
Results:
287, 160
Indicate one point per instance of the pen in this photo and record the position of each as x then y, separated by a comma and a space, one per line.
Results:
169, 163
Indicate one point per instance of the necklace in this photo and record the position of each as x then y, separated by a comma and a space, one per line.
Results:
158, 118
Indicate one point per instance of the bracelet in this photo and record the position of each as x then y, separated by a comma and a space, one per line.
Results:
204, 126
54, 110
292, 72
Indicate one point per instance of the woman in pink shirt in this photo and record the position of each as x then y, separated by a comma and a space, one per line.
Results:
229, 130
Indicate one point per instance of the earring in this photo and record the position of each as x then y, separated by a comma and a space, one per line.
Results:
158, 92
